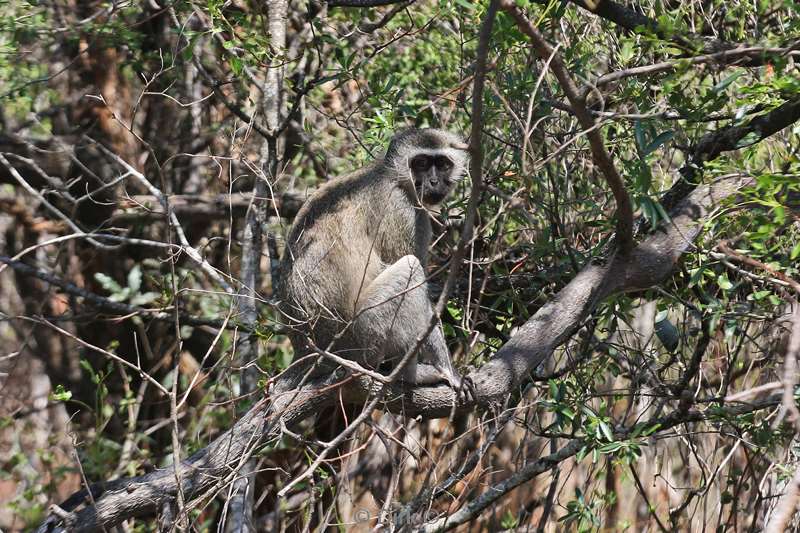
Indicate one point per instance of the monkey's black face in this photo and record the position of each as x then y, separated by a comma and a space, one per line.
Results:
434, 177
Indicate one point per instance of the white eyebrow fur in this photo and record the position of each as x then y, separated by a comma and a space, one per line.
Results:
458, 157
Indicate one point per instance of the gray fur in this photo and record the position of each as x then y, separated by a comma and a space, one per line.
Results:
353, 276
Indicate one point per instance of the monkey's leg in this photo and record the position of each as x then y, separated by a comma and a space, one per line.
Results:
393, 311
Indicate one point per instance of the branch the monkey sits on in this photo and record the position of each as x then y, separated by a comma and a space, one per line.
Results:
352, 278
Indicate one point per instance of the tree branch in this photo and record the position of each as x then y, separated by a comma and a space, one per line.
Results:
602, 159
757, 129
102, 303
239, 515
362, 3
531, 470
646, 265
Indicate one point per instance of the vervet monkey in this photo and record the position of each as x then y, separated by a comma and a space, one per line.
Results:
352, 279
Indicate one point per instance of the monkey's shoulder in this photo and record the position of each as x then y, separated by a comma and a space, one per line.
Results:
355, 202
336, 195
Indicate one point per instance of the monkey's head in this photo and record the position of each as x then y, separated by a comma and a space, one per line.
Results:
432, 160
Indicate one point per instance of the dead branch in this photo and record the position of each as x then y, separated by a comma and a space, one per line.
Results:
531, 470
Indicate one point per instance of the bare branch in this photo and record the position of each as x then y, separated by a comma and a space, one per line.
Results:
787, 506
363, 3
173, 220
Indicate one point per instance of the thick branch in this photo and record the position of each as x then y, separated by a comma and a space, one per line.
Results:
647, 265
757, 129
729, 138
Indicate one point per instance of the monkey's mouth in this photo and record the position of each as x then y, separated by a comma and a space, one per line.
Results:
433, 196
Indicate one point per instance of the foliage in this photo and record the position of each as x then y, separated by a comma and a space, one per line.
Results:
176, 91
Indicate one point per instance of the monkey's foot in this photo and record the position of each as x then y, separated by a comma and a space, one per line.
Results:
466, 391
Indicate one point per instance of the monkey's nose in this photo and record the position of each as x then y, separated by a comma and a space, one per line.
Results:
434, 182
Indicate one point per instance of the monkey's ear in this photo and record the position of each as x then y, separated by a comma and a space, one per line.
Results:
401, 133
397, 140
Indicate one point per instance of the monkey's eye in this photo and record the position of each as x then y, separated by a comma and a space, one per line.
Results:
443, 163
421, 163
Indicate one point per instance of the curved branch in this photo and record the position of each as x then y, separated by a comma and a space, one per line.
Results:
601, 156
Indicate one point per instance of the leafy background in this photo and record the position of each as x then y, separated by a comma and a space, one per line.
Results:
176, 90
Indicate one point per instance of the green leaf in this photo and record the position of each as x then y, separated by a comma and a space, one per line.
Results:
107, 282
724, 283
610, 447
627, 51
760, 295
509, 521
121, 295
607, 431
60, 394
651, 430
721, 86
135, 278
567, 412
144, 299
236, 65
656, 143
